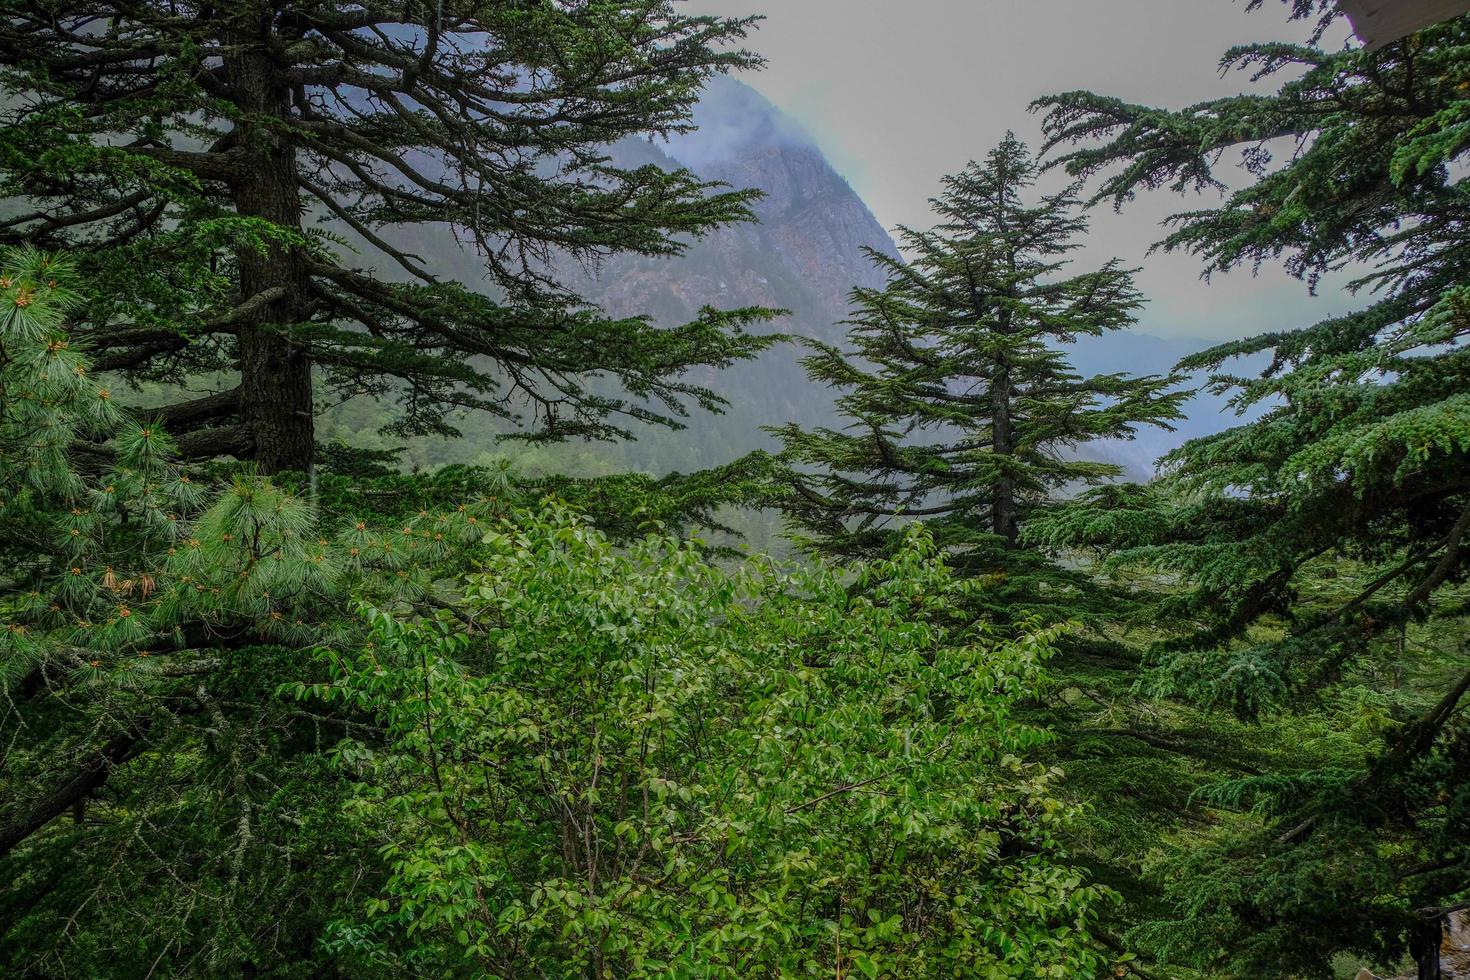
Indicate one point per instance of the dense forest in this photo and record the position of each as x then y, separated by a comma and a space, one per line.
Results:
481, 496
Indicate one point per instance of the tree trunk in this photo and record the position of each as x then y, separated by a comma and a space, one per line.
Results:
1425, 944
1002, 438
275, 371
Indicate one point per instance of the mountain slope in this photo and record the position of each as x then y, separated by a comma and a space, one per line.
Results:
804, 255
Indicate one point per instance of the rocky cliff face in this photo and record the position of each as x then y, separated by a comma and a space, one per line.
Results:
804, 255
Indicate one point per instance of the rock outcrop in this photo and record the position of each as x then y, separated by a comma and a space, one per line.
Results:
1454, 952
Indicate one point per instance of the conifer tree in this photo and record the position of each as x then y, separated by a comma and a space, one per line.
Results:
187, 150
1314, 558
965, 409
158, 804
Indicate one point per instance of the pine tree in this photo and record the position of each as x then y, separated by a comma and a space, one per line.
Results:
1314, 559
187, 151
159, 804
965, 409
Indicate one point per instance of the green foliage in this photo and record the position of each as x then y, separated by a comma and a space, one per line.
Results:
631, 763
545, 752
251, 204
149, 612
963, 406
359, 722
1306, 569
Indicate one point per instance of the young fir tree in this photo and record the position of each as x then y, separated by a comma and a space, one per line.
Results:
965, 409
187, 150
1315, 559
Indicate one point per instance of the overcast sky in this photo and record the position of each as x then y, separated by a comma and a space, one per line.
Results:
900, 92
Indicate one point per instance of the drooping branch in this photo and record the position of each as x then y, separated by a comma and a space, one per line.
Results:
132, 347
1415, 738
1446, 564
235, 440
201, 136
76, 786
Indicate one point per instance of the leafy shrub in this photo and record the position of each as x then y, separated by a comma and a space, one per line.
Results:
635, 763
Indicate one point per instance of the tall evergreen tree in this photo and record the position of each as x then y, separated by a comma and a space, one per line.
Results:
160, 807
1315, 558
185, 149
965, 409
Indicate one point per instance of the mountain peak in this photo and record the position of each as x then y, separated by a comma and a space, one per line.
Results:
733, 120
805, 254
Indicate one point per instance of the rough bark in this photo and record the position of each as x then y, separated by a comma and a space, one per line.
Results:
275, 371
1002, 434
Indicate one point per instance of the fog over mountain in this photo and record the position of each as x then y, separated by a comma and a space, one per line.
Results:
804, 254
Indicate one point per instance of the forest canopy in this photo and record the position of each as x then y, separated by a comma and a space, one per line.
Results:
278, 700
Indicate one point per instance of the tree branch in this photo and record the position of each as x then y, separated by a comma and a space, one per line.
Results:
90, 775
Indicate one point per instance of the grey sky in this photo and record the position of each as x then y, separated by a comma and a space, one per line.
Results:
900, 92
